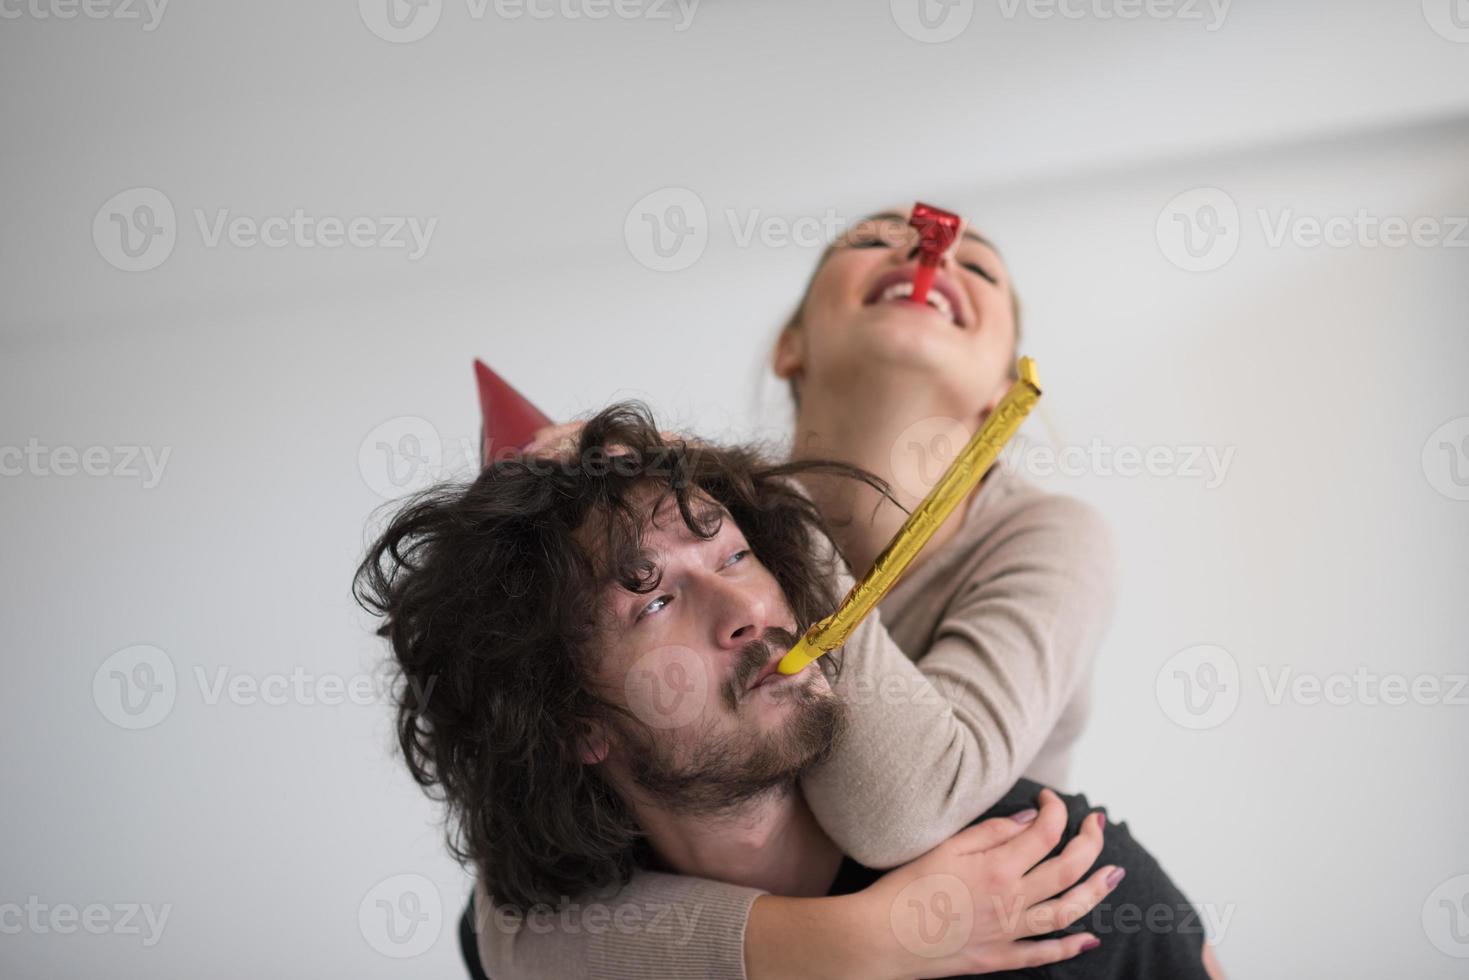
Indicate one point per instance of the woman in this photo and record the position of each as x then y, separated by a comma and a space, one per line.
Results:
1000, 615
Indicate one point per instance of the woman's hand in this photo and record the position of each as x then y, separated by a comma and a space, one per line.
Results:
554, 441
968, 905
558, 442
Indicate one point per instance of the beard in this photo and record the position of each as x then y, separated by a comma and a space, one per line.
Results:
724, 771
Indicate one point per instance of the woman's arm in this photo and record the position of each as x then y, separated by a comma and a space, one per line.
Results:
655, 925
675, 926
935, 742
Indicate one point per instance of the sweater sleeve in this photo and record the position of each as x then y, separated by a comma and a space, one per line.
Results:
657, 925
937, 740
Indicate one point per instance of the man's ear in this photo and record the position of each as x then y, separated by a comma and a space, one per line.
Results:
789, 360
592, 745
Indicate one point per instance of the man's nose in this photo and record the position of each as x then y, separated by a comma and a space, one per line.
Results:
740, 615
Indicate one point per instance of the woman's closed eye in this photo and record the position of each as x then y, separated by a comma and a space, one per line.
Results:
880, 235
979, 270
880, 240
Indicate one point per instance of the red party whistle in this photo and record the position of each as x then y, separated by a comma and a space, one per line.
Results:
507, 417
937, 229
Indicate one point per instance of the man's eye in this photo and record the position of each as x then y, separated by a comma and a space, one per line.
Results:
979, 271
868, 243
653, 606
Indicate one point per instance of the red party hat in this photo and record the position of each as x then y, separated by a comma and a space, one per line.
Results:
508, 419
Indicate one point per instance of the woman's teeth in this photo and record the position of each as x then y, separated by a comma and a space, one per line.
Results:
935, 299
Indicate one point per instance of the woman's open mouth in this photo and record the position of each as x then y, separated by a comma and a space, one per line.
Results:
897, 287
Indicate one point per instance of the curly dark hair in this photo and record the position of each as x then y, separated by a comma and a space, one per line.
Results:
488, 603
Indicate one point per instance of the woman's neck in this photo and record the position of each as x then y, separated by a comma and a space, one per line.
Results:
908, 441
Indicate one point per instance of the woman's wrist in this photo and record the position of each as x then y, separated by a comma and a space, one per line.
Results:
836, 938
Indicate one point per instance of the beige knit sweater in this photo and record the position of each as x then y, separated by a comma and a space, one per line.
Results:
973, 671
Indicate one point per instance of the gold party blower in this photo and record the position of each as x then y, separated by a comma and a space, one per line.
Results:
968, 468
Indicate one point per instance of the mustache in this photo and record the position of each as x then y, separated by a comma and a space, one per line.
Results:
753, 658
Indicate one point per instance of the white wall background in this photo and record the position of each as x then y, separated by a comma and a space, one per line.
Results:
1323, 836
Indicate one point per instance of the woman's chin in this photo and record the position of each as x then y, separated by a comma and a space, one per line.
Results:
902, 343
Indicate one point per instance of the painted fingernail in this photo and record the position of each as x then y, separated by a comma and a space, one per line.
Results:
1090, 944
1024, 816
1115, 875
1101, 820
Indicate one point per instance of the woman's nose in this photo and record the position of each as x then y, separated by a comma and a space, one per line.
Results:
944, 260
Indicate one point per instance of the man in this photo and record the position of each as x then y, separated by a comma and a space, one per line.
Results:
602, 636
